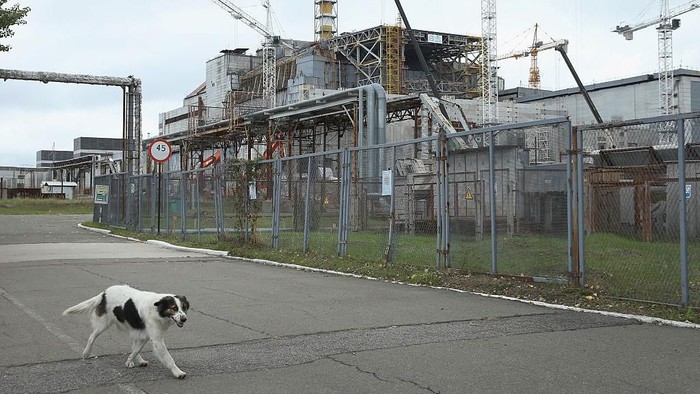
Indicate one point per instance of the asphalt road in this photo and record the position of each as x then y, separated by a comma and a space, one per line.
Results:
256, 328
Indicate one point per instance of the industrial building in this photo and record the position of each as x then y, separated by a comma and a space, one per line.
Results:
57, 169
228, 111
244, 109
367, 87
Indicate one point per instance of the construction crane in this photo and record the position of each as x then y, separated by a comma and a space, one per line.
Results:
536, 47
489, 63
665, 28
269, 69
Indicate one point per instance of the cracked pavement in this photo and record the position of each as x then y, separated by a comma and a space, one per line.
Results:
256, 328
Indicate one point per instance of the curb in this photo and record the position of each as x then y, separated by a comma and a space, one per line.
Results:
219, 253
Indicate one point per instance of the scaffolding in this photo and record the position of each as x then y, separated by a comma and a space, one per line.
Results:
394, 59
454, 58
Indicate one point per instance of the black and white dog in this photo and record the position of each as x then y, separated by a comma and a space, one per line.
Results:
143, 314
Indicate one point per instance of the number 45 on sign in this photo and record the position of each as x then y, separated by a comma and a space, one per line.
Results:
160, 150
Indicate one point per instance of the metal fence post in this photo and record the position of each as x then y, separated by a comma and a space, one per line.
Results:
128, 209
183, 205
218, 208
389, 253
343, 203
579, 203
117, 201
198, 198
348, 185
438, 184
685, 296
246, 202
569, 197
307, 205
137, 203
167, 180
276, 202
220, 180
445, 201
154, 200
492, 198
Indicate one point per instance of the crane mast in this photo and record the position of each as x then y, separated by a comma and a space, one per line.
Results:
665, 47
489, 63
269, 52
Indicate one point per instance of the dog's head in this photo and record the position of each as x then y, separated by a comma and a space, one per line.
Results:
173, 307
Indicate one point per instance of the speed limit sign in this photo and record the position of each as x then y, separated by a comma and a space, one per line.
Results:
160, 150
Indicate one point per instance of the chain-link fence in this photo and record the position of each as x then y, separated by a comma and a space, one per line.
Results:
641, 208
611, 205
508, 200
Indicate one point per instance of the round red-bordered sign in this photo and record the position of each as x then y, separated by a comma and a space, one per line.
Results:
160, 150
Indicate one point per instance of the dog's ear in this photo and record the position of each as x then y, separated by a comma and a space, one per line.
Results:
184, 302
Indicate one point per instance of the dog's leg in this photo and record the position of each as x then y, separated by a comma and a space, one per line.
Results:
135, 358
99, 326
164, 356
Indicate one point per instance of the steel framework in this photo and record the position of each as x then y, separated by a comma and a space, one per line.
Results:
378, 56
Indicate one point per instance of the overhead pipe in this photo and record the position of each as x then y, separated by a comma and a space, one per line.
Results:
371, 127
361, 129
375, 98
376, 125
381, 123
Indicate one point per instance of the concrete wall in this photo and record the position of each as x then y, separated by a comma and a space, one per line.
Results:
622, 101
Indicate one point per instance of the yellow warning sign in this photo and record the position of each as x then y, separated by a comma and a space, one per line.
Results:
325, 201
469, 195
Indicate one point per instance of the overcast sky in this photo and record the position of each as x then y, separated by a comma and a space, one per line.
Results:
166, 44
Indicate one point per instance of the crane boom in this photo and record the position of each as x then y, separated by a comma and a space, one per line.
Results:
627, 30
665, 48
237, 13
537, 48
269, 52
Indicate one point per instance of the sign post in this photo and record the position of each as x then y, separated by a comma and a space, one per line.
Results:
160, 151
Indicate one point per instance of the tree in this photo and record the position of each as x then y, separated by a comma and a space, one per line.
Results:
9, 17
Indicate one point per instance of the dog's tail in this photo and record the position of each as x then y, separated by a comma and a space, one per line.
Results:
85, 306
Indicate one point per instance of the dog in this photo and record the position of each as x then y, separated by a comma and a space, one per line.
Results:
145, 315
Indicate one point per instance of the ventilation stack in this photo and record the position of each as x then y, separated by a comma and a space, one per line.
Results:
326, 19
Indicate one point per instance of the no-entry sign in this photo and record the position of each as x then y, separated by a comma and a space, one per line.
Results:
160, 150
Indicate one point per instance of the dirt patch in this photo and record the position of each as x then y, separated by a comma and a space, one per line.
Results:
526, 288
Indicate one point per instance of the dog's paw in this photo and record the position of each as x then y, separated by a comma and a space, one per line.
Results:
137, 363
180, 375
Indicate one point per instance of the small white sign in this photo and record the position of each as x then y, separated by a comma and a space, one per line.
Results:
386, 183
688, 191
252, 191
435, 38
